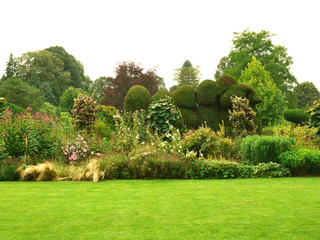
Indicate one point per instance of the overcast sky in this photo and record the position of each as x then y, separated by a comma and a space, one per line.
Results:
160, 34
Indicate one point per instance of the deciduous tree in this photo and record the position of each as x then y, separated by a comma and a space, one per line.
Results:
306, 93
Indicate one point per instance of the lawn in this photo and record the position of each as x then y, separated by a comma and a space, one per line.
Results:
286, 208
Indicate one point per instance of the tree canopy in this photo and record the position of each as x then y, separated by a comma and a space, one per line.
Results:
306, 93
273, 102
187, 74
128, 74
273, 57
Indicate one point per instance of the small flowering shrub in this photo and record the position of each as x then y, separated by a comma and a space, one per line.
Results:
77, 151
28, 135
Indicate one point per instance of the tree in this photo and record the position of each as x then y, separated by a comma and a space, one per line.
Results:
71, 65
34, 79
68, 97
11, 69
47, 93
97, 87
127, 75
187, 74
20, 93
48, 67
273, 102
306, 93
259, 45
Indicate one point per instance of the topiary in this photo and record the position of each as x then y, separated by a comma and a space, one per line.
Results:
138, 97
184, 97
207, 93
160, 95
190, 118
225, 82
297, 116
225, 98
210, 116
84, 112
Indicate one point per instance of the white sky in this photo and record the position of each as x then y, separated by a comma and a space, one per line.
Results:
160, 33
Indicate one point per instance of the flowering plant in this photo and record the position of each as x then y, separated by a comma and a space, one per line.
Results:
77, 151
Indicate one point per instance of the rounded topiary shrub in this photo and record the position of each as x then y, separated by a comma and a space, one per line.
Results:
160, 95
210, 116
251, 94
225, 98
184, 97
190, 118
207, 92
138, 97
297, 116
226, 80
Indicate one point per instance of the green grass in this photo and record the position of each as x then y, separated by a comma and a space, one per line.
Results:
286, 208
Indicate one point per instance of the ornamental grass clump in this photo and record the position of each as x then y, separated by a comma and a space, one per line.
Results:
41, 172
92, 171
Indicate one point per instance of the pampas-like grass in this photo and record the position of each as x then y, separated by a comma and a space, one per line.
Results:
91, 172
41, 172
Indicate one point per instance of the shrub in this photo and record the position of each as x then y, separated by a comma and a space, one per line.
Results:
314, 116
226, 80
76, 151
15, 109
212, 168
242, 117
301, 161
138, 97
49, 109
190, 118
162, 114
207, 93
106, 114
206, 142
84, 112
266, 170
68, 97
103, 130
3, 105
297, 116
8, 167
184, 97
160, 95
225, 98
264, 149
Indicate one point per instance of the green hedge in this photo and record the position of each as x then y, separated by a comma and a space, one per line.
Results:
160, 95
184, 97
207, 93
264, 149
297, 116
137, 98
301, 161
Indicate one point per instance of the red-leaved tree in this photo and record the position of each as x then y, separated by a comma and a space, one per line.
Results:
128, 74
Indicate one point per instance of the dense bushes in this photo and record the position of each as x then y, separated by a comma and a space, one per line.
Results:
297, 116
301, 161
207, 93
184, 97
264, 149
138, 97
160, 95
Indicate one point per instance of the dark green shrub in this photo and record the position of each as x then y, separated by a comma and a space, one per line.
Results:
264, 149
314, 116
226, 80
8, 170
266, 170
15, 109
49, 109
163, 114
251, 94
190, 118
212, 168
160, 95
213, 117
184, 97
84, 112
68, 97
301, 161
297, 116
138, 97
207, 93
225, 98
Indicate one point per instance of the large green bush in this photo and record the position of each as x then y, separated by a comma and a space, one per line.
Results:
160, 95
190, 118
314, 116
184, 97
137, 98
207, 93
225, 99
68, 97
264, 149
213, 117
297, 116
107, 114
301, 161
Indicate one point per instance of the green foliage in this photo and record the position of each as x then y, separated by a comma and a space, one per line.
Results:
226, 80
76, 151
306, 93
47, 93
160, 95
84, 112
206, 142
190, 118
297, 116
301, 161
187, 74
242, 117
264, 149
184, 97
314, 116
102, 129
273, 102
207, 93
28, 135
163, 114
266, 170
107, 114
15, 109
3, 105
213, 116
20, 93
274, 58
173, 88
225, 99
68, 97
49, 109
11, 69
8, 169
137, 98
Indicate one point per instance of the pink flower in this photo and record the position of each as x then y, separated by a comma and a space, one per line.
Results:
137, 137
29, 109
145, 154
